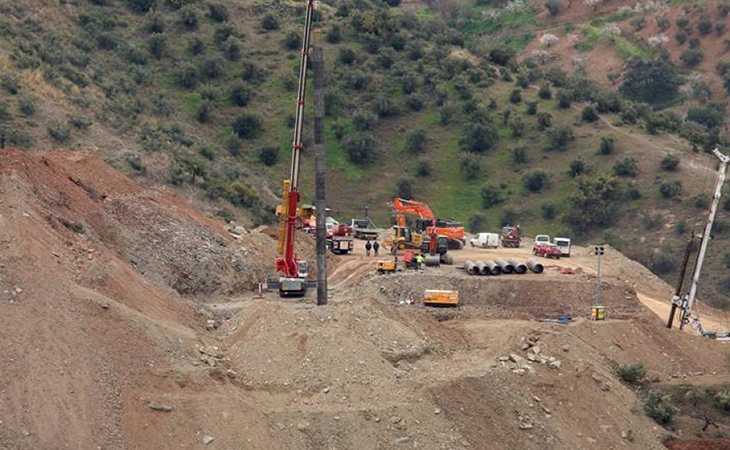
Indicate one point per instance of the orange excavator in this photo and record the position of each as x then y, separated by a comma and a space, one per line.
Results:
428, 223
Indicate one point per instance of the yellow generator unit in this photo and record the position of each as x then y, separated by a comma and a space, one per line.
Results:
598, 313
386, 266
433, 297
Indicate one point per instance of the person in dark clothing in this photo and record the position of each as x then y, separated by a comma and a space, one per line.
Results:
368, 246
376, 247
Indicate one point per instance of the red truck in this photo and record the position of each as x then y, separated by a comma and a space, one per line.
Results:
547, 250
340, 240
511, 237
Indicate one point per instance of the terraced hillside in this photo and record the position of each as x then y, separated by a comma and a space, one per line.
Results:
491, 112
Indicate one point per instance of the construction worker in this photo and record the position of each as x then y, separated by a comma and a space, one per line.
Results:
368, 246
419, 261
376, 247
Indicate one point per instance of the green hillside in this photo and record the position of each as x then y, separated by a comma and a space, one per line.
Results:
457, 104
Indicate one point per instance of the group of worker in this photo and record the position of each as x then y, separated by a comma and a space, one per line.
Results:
374, 246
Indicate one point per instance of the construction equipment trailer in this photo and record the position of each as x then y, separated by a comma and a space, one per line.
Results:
293, 271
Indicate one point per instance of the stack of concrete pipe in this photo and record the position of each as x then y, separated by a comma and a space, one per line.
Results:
498, 267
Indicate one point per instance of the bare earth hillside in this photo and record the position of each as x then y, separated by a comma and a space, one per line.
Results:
126, 323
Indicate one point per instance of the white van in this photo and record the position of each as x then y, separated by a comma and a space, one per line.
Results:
485, 240
542, 239
563, 244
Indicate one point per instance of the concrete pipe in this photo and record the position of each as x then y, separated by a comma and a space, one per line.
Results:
520, 268
447, 259
483, 269
505, 266
493, 267
534, 266
471, 268
432, 260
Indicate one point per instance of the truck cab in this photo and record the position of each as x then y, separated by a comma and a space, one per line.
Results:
542, 239
563, 244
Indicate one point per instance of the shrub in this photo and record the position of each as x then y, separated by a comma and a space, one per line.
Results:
155, 24
58, 132
719, 28
517, 126
268, 156
632, 373
217, 12
680, 37
478, 137
531, 108
519, 155
589, 114
423, 169
536, 181
726, 204
691, 57
470, 166
385, 107
544, 120
334, 35
204, 110
416, 141
722, 400
701, 201
404, 188
241, 193
710, 117
559, 138
704, 26
564, 99
140, 6
27, 106
662, 22
656, 407
240, 95
346, 55
222, 33
269, 22
476, 222
670, 189
157, 45
189, 17
607, 146
682, 22
491, 195
545, 92
247, 126
291, 41
136, 164
79, 122
414, 102
553, 7
196, 46
670, 162
10, 83
626, 168
652, 82
360, 147
548, 210
508, 217
516, 96
577, 167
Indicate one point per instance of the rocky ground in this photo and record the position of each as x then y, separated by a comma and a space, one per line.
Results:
128, 322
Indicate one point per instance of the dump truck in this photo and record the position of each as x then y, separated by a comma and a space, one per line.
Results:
365, 229
511, 237
340, 240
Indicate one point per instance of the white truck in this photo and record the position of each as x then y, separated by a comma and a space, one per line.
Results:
485, 240
542, 239
563, 244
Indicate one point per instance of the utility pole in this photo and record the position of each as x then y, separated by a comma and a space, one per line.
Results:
678, 299
686, 310
598, 249
320, 200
